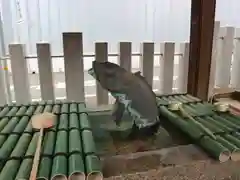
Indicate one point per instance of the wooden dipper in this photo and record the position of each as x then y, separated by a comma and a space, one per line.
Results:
40, 121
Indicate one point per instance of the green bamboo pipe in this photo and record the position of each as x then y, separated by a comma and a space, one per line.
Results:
186, 98
39, 109
19, 128
236, 141
56, 109
235, 156
44, 168
210, 125
93, 168
73, 108
232, 119
63, 122
225, 122
88, 142
179, 98
74, 121
21, 111
75, 142
65, 108
84, 121
4, 111
220, 125
10, 126
48, 108
191, 120
24, 169
30, 111
10, 169
215, 149
12, 112
82, 107
232, 139
48, 143
193, 132
192, 97
76, 167
161, 101
59, 168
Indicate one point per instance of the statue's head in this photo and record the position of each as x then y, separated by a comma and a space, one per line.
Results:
111, 76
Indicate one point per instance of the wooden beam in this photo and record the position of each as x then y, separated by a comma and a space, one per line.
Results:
201, 40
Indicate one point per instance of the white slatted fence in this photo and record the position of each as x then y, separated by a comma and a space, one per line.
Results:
166, 71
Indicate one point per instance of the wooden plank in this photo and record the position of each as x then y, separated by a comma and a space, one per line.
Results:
73, 63
19, 73
214, 59
166, 76
183, 68
45, 71
125, 55
200, 53
6, 96
223, 73
3, 99
147, 61
235, 76
101, 53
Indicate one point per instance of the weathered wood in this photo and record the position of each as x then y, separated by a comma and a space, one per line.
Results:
235, 76
214, 59
19, 73
45, 71
201, 38
125, 55
73, 63
101, 52
183, 68
147, 61
168, 50
225, 58
3, 99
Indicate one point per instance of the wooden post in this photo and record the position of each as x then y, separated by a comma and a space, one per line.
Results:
147, 61
101, 53
125, 55
168, 50
45, 71
73, 63
19, 73
201, 40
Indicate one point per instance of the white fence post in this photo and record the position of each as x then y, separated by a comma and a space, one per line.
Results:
45, 71
224, 58
125, 55
19, 73
166, 76
183, 68
214, 59
73, 63
147, 61
235, 73
101, 53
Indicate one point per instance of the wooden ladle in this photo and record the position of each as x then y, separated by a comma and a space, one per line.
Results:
40, 121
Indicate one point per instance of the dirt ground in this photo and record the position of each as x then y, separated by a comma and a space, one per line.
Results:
176, 163
200, 170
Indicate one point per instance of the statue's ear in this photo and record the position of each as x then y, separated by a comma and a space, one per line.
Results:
138, 73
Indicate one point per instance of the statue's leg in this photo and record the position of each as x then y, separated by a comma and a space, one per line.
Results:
144, 128
118, 110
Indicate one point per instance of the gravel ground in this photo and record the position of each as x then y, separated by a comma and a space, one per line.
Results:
200, 170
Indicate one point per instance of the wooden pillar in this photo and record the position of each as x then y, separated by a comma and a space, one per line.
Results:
201, 40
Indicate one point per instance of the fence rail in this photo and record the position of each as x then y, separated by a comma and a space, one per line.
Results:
166, 71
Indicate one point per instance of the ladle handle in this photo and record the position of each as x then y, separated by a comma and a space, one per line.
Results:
33, 174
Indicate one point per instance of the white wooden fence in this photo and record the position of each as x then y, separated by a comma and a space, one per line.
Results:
225, 70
